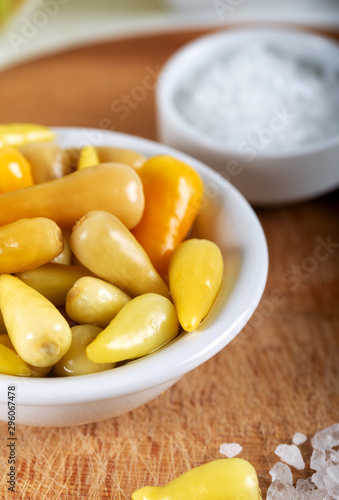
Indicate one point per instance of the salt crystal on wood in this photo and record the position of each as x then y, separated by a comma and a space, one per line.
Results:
327, 438
332, 486
317, 459
305, 485
282, 491
334, 473
299, 438
318, 477
315, 495
282, 472
290, 454
333, 456
230, 450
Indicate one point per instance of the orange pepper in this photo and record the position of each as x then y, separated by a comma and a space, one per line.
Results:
173, 193
15, 171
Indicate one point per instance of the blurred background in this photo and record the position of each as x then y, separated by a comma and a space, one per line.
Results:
32, 28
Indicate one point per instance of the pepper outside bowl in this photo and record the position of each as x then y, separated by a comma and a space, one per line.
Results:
225, 218
264, 177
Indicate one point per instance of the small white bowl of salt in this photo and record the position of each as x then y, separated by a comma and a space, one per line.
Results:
259, 105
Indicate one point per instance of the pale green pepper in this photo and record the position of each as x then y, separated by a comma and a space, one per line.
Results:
195, 277
224, 479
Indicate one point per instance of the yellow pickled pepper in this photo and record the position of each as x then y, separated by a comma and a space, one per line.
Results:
107, 154
195, 277
11, 364
18, 134
88, 157
38, 331
173, 193
224, 479
75, 362
15, 171
65, 257
20, 369
53, 281
92, 300
113, 187
143, 325
6, 341
28, 243
127, 156
47, 161
104, 245
2, 325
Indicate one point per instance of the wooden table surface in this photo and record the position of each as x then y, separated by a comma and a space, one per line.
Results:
279, 376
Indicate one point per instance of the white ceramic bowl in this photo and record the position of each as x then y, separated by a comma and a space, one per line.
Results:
271, 177
225, 218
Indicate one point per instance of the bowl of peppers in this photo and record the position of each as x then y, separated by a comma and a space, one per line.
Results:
124, 264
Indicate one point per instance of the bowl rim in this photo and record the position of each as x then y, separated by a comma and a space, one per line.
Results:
157, 368
169, 82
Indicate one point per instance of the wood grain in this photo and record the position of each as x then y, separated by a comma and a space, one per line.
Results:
279, 376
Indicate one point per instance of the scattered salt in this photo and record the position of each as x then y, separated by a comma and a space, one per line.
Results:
279, 490
333, 455
282, 472
299, 438
305, 485
332, 486
325, 461
318, 477
316, 495
327, 438
290, 454
230, 450
318, 459
323, 484
334, 473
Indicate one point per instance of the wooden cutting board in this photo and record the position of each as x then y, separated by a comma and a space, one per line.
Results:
279, 376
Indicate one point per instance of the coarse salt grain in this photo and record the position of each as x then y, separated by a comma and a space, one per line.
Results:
281, 472
323, 484
332, 486
317, 495
280, 490
319, 476
230, 450
318, 459
290, 454
305, 485
327, 438
299, 438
